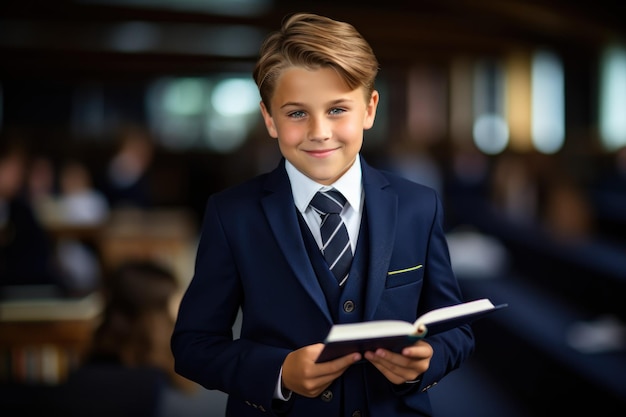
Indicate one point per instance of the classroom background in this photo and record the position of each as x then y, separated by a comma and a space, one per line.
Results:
118, 118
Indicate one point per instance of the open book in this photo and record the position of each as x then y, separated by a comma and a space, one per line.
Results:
396, 334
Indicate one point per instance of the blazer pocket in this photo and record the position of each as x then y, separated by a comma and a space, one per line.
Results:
404, 276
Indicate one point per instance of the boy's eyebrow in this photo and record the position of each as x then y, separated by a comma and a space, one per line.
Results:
330, 104
292, 104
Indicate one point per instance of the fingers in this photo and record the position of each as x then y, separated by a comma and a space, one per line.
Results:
302, 375
339, 365
399, 368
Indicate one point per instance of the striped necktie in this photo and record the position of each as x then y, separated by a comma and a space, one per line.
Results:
335, 241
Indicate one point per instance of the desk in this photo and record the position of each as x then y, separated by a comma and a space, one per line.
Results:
165, 235
41, 340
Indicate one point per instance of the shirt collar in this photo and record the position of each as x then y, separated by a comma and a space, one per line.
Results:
303, 188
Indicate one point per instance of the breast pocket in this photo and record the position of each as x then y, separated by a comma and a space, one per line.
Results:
398, 277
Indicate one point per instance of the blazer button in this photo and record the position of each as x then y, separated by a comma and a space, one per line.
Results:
326, 396
348, 306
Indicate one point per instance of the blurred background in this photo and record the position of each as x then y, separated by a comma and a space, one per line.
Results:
118, 118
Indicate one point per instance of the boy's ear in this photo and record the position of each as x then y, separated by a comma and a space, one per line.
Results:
370, 111
269, 121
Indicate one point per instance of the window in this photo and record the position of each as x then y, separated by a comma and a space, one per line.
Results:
216, 113
613, 97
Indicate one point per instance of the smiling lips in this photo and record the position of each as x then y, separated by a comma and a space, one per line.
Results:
321, 153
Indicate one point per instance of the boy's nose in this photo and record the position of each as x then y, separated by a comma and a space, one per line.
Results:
319, 128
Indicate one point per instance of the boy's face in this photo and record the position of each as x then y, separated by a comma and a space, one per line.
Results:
318, 121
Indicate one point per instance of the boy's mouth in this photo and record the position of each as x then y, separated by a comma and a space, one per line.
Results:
320, 153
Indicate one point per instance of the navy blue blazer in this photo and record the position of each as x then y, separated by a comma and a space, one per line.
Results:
252, 255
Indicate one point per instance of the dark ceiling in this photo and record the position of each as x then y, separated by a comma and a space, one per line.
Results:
58, 36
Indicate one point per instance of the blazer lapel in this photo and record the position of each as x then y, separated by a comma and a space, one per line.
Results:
281, 214
381, 205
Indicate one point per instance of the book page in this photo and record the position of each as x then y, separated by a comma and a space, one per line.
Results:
380, 328
453, 311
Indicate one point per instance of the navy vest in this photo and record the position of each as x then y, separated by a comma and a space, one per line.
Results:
345, 303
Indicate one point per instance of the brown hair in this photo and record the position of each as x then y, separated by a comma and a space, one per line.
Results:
311, 41
137, 320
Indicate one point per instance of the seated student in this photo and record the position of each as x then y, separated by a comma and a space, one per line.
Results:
127, 179
26, 250
129, 364
79, 203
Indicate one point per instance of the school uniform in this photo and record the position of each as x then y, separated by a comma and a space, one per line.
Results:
258, 253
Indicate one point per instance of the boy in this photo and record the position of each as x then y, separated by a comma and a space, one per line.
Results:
262, 248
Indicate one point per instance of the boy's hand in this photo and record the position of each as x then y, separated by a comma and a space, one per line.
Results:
406, 367
305, 377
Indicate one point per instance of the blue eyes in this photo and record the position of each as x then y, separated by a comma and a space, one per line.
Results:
297, 114
300, 114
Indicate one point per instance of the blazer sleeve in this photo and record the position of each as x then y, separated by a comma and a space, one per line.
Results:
202, 341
